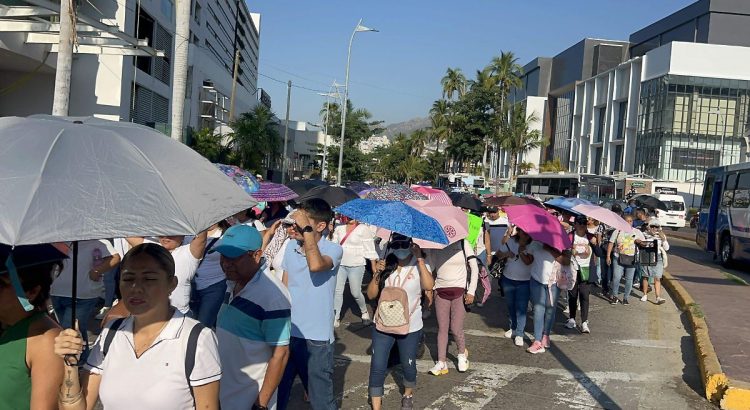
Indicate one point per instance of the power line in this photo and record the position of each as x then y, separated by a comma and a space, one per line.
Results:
293, 85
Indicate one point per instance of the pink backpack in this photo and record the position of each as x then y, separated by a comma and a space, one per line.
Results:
393, 315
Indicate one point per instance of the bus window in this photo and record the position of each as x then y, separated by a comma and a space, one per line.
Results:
573, 189
564, 189
708, 190
554, 186
729, 185
742, 193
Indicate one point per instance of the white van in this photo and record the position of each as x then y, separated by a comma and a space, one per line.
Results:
674, 216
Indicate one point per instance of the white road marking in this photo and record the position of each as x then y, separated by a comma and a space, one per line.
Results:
656, 344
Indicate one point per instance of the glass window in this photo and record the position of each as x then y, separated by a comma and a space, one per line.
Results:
621, 125
708, 189
618, 157
742, 192
729, 186
600, 123
598, 160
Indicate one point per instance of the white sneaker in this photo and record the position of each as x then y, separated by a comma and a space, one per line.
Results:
585, 327
463, 361
660, 301
102, 313
509, 333
366, 319
518, 341
439, 369
644, 298
571, 324
336, 323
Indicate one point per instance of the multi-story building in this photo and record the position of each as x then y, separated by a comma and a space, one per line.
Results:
122, 67
675, 104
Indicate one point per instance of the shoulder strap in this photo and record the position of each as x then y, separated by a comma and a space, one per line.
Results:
208, 248
190, 353
347, 235
113, 328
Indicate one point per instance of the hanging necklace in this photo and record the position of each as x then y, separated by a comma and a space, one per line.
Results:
143, 347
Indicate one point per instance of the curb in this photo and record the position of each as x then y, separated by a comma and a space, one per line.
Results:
719, 389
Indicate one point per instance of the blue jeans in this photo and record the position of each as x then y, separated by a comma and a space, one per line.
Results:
85, 309
617, 272
544, 308
208, 302
381, 349
354, 274
517, 297
312, 360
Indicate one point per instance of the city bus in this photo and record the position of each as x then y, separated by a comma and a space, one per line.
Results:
724, 216
594, 188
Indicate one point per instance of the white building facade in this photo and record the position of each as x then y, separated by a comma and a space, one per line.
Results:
123, 76
671, 114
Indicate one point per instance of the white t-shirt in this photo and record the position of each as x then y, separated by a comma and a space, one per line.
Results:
255, 224
515, 269
359, 245
274, 268
451, 266
209, 272
185, 265
89, 254
157, 379
543, 265
413, 288
582, 244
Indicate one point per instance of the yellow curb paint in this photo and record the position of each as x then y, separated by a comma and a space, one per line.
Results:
737, 396
714, 380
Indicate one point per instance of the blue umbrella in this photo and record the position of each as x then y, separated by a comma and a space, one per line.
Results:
395, 216
567, 204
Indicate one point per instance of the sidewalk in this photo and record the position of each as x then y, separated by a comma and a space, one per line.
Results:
722, 300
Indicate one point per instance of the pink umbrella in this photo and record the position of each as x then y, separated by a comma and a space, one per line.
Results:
604, 216
453, 220
432, 193
540, 225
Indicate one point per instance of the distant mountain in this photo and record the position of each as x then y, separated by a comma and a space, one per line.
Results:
406, 127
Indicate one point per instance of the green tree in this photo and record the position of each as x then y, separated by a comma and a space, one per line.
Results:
211, 146
439, 121
454, 82
418, 141
525, 167
518, 137
256, 140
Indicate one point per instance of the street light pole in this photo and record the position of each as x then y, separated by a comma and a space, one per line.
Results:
286, 131
345, 102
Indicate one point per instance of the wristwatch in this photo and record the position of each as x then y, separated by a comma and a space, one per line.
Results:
257, 406
307, 229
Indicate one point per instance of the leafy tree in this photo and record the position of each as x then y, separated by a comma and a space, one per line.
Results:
440, 122
418, 141
552, 166
525, 167
518, 137
256, 139
454, 82
211, 146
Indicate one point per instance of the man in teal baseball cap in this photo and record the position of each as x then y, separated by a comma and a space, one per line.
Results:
254, 323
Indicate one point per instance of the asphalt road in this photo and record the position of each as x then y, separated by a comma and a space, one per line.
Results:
637, 356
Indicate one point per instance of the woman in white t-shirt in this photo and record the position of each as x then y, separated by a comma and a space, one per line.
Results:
515, 281
143, 364
405, 267
187, 258
358, 243
544, 291
584, 260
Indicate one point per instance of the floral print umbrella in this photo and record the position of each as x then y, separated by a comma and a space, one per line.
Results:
394, 192
243, 178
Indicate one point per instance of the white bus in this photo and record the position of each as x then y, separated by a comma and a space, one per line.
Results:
594, 188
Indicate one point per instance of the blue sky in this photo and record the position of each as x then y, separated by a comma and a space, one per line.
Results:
396, 72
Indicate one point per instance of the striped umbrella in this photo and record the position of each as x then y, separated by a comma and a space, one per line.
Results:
432, 193
272, 192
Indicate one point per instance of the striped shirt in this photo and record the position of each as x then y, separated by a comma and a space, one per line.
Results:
249, 326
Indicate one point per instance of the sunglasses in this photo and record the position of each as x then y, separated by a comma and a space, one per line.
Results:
400, 245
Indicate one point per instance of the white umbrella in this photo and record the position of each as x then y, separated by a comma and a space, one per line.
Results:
73, 179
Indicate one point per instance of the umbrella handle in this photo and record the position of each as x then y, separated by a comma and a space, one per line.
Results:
71, 359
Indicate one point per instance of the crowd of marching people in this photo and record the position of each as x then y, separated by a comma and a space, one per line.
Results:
231, 317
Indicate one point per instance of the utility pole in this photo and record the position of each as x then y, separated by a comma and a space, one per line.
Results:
179, 81
286, 131
61, 99
234, 83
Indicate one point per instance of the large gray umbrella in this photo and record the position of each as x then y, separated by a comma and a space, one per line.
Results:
71, 179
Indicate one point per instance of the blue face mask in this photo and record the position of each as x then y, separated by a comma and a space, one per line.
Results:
401, 254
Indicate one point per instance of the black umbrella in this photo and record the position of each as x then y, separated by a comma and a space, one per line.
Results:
301, 186
334, 195
467, 201
650, 202
357, 186
510, 200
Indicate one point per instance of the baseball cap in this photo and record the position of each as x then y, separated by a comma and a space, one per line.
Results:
237, 240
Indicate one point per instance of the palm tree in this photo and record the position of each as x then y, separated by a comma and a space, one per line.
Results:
454, 82
439, 119
485, 84
411, 169
507, 73
518, 137
256, 139
418, 141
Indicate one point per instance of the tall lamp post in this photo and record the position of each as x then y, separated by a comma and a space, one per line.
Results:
345, 102
330, 94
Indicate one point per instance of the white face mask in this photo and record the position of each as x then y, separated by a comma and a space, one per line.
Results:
401, 253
